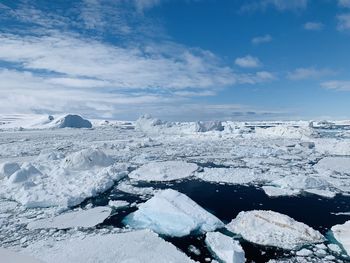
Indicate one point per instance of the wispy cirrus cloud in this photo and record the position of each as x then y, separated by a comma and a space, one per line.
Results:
344, 3
343, 22
313, 26
262, 39
248, 62
340, 85
309, 73
280, 5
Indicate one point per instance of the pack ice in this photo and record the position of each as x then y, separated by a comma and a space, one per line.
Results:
270, 228
81, 218
137, 246
62, 182
164, 171
173, 214
342, 235
225, 248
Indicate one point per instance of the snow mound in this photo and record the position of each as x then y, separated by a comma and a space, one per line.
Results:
205, 126
286, 132
173, 214
342, 235
164, 171
8, 256
72, 121
82, 218
224, 248
8, 168
137, 246
62, 183
86, 159
270, 228
23, 174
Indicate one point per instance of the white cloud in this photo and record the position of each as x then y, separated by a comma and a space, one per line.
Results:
340, 85
343, 22
142, 5
248, 62
313, 26
309, 73
165, 67
344, 3
280, 5
262, 39
255, 78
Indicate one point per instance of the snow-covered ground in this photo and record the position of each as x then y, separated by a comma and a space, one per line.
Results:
54, 174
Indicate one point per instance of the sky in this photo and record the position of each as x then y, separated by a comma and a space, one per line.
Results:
176, 59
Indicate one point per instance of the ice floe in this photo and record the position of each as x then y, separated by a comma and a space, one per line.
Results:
9, 256
228, 175
117, 204
270, 228
173, 214
164, 171
225, 248
342, 235
137, 246
80, 218
340, 165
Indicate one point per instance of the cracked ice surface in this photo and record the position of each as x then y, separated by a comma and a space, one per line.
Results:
273, 229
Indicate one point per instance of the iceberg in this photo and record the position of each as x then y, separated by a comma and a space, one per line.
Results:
270, 228
205, 126
173, 214
342, 235
225, 248
81, 218
72, 121
137, 246
164, 171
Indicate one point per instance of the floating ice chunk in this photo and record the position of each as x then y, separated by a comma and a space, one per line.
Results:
81, 218
137, 246
335, 248
273, 229
302, 182
22, 175
323, 193
147, 123
342, 235
118, 204
333, 164
273, 191
86, 159
173, 214
8, 168
8, 256
304, 252
72, 121
228, 175
164, 171
205, 126
224, 248
283, 131
332, 146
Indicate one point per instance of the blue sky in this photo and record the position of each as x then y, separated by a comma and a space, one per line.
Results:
176, 59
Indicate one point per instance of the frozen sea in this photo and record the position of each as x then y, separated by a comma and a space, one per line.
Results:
59, 175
